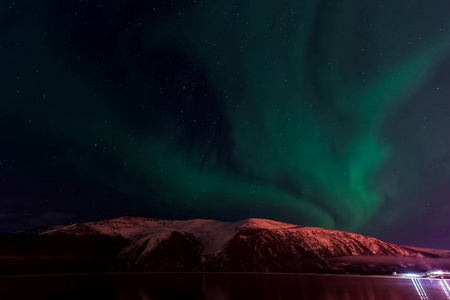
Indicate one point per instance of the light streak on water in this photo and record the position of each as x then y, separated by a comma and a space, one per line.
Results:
445, 288
419, 289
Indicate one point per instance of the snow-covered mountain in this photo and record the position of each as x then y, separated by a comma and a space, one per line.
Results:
251, 245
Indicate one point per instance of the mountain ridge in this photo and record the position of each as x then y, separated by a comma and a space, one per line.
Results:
250, 245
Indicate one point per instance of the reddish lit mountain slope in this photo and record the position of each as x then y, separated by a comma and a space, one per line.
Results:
251, 245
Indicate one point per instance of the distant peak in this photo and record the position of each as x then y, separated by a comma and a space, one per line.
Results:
130, 218
265, 224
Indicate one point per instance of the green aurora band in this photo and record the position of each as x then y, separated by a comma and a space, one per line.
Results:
288, 58
306, 85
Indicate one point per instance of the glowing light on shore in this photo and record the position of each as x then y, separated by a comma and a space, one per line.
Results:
437, 272
409, 275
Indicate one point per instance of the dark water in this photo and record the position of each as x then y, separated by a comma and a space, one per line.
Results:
221, 287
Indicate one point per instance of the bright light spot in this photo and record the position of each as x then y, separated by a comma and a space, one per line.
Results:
411, 275
437, 272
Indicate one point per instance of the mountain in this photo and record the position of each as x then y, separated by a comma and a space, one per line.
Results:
251, 245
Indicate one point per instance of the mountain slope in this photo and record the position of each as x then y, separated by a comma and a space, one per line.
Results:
252, 245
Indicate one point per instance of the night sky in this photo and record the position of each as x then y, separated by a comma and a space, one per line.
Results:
321, 113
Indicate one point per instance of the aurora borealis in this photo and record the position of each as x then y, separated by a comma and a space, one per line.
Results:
319, 113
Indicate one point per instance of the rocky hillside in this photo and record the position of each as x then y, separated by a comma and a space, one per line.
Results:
252, 245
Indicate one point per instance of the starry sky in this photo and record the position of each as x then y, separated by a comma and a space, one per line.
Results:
320, 113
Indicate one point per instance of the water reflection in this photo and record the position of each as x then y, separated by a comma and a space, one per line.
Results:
223, 287
419, 289
445, 288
